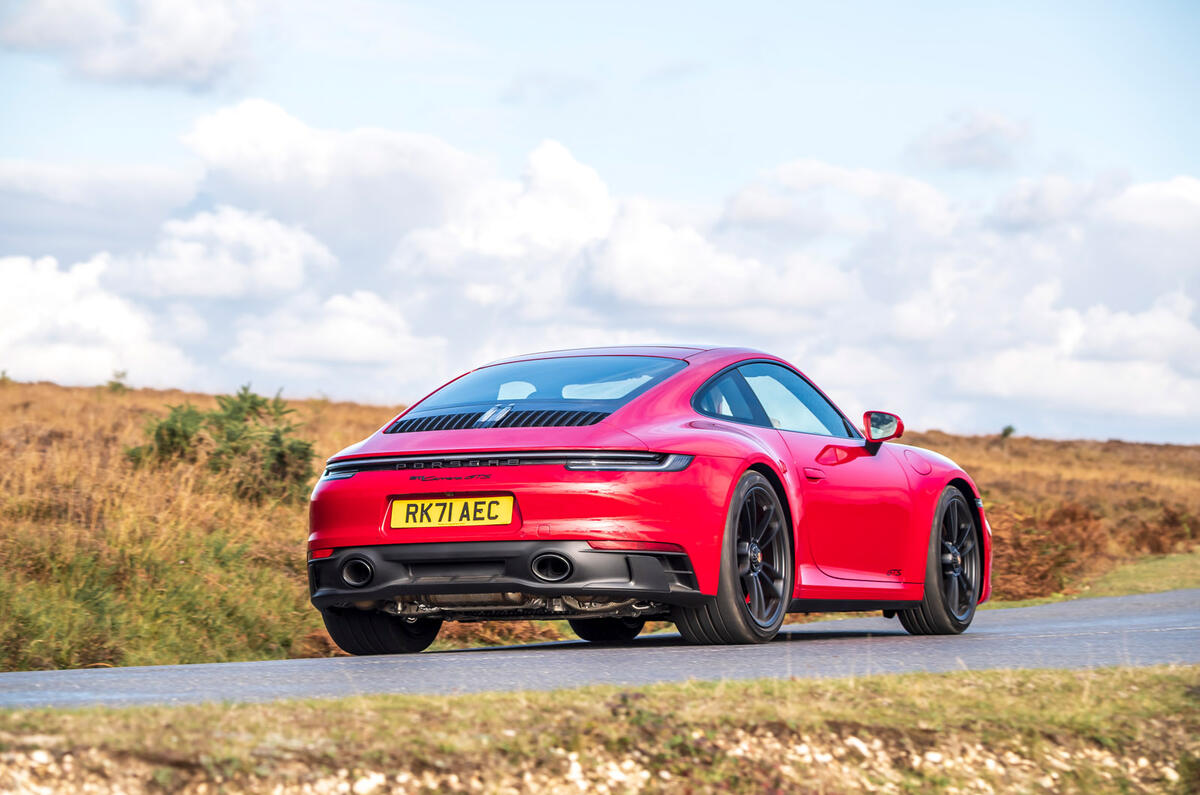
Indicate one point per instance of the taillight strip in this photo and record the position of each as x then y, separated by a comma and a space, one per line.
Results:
669, 463
576, 460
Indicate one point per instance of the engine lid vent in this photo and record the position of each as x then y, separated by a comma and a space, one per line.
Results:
436, 422
498, 417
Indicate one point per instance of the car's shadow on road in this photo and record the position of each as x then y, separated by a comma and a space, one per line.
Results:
797, 634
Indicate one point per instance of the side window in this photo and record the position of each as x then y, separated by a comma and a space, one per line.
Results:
726, 397
791, 402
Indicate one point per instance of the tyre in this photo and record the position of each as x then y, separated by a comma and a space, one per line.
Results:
607, 630
755, 584
372, 632
953, 571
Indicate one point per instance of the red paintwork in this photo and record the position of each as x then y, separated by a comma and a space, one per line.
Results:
860, 521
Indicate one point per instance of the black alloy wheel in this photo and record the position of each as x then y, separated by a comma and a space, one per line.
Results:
761, 556
953, 571
755, 585
960, 561
607, 630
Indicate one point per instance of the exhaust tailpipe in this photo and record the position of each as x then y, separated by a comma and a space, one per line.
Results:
357, 572
551, 567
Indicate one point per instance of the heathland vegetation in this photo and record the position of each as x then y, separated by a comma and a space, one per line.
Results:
1114, 730
144, 527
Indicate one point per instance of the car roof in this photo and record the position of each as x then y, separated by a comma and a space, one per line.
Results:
662, 351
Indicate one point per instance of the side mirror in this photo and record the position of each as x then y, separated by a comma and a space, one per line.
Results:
881, 426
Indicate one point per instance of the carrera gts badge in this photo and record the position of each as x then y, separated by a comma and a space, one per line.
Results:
427, 478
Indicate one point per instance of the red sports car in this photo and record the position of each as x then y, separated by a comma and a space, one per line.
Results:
717, 488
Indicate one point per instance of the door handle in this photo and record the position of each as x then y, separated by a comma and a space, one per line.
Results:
812, 473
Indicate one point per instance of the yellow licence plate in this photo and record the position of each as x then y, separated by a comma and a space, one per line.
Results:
454, 512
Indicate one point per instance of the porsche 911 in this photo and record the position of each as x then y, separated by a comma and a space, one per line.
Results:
716, 488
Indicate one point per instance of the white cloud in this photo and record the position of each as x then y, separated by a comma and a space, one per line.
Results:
516, 245
1042, 375
889, 291
189, 42
649, 261
1049, 306
62, 325
559, 206
817, 199
558, 237
136, 187
1172, 206
973, 140
1164, 332
565, 334
61, 23
929, 313
361, 189
358, 344
73, 211
1042, 202
227, 253
1108, 241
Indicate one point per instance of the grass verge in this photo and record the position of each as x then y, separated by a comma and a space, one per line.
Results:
1109, 730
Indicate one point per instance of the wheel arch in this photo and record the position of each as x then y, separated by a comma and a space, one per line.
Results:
971, 494
776, 483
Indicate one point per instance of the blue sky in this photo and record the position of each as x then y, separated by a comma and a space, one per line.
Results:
973, 215
709, 92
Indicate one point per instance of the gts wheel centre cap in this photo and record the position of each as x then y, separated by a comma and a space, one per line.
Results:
956, 561
755, 555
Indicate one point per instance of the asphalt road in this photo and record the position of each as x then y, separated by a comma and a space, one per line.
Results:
1128, 630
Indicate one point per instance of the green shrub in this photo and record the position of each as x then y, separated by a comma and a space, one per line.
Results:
247, 437
172, 438
117, 384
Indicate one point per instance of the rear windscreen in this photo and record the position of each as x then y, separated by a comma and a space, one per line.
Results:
611, 381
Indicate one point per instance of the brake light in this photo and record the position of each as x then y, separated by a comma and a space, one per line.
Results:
630, 462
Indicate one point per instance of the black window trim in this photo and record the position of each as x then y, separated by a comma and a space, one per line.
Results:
763, 421
742, 386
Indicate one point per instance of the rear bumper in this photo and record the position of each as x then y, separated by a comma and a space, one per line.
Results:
502, 566
551, 504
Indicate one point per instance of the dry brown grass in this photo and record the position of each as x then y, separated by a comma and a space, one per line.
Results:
107, 564
1066, 511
